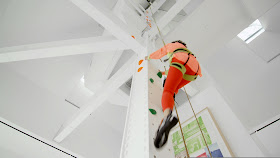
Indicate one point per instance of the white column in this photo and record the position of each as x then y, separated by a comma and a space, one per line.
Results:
136, 133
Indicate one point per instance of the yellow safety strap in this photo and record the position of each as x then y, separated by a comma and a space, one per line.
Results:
184, 50
189, 77
182, 68
179, 66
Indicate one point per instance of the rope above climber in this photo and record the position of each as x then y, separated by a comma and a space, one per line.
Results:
184, 68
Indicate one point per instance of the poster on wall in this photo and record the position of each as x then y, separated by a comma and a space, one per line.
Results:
195, 143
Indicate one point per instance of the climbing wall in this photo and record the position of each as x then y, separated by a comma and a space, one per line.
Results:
155, 92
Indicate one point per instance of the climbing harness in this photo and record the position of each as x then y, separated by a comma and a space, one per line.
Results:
184, 50
180, 66
183, 69
189, 78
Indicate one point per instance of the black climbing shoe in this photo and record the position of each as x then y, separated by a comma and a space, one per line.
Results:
163, 130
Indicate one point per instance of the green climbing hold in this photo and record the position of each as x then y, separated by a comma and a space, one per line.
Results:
153, 111
159, 74
152, 81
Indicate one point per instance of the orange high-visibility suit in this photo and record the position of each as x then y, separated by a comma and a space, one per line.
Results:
176, 76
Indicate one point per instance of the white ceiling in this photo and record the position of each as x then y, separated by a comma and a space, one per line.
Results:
211, 26
58, 75
33, 21
266, 45
270, 20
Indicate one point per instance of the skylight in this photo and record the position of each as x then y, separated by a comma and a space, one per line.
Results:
83, 79
251, 32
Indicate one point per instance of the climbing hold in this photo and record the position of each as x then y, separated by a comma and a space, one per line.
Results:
153, 111
152, 81
140, 69
133, 37
159, 74
140, 62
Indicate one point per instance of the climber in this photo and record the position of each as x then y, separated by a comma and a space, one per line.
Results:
184, 68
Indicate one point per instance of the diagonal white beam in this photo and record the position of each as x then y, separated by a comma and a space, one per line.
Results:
121, 76
111, 23
156, 5
172, 12
61, 48
96, 74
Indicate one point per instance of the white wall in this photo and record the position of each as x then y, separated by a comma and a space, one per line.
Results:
268, 139
95, 137
239, 140
40, 111
31, 106
250, 84
14, 144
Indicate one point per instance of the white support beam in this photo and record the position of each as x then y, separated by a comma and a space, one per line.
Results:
61, 48
97, 74
119, 98
80, 95
172, 12
109, 88
111, 23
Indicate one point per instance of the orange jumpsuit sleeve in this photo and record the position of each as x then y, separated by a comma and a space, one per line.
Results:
161, 52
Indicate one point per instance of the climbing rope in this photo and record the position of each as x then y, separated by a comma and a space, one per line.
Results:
181, 130
160, 35
197, 122
165, 70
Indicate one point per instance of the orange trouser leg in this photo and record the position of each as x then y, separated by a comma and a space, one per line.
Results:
182, 84
173, 80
